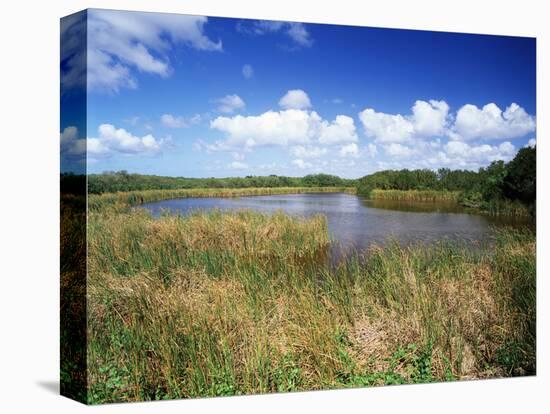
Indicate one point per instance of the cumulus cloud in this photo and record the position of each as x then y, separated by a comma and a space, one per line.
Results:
398, 150
73, 52
120, 42
490, 122
290, 127
301, 164
238, 165
371, 150
112, 140
297, 32
385, 127
453, 154
484, 153
270, 128
71, 145
349, 150
230, 103
295, 99
340, 131
301, 151
427, 119
430, 118
171, 121
248, 71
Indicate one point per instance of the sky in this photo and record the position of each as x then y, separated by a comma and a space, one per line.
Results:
192, 96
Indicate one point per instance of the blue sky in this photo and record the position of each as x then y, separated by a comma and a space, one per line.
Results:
200, 97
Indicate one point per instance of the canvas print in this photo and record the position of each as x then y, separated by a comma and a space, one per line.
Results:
253, 206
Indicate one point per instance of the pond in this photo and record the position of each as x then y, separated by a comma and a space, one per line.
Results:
354, 221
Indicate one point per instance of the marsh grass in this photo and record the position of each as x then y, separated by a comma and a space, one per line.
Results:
132, 198
228, 303
415, 195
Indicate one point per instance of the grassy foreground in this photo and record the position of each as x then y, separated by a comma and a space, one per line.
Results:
237, 303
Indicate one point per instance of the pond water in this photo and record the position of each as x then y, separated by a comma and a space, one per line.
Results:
354, 221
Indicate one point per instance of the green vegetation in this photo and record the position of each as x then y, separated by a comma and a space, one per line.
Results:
73, 295
229, 303
501, 188
109, 182
235, 303
415, 195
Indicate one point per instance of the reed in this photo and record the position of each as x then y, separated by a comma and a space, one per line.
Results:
415, 195
241, 302
131, 198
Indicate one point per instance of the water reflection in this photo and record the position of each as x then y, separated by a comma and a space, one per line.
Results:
356, 222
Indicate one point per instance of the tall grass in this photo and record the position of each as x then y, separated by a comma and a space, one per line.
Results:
415, 195
497, 207
474, 202
96, 201
236, 303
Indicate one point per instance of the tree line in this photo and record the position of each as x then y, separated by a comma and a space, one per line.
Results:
111, 181
486, 188
499, 182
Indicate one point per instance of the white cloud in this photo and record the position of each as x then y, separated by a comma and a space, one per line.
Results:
73, 52
301, 151
238, 156
117, 140
119, 42
132, 121
248, 71
230, 103
398, 150
350, 150
195, 119
462, 152
71, 144
507, 148
430, 118
531, 143
490, 122
427, 119
237, 165
295, 99
301, 164
385, 127
340, 131
415, 140
297, 32
171, 121
284, 128
453, 154
291, 127
371, 150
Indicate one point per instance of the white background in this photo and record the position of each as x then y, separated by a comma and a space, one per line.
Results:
29, 163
